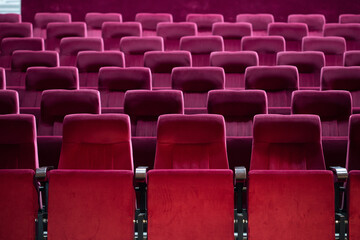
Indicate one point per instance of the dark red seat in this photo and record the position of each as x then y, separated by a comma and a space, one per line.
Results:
9, 102
94, 21
293, 33
113, 32
353, 203
15, 30
204, 21
315, 22
149, 21
349, 31
232, 33
55, 31
172, 32
259, 22
42, 19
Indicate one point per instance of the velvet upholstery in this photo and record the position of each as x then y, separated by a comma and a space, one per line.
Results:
171, 32
259, 22
9, 102
18, 142
55, 31
349, 18
15, 30
238, 108
190, 204
96, 141
95, 20
185, 142
204, 21
19, 204
296, 204
41, 20
353, 203
349, 31
292, 32
315, 22
287, 142
352, 160
232, 33
149, 21
352, 58
2, 79
10, 17
145, 106
334, 108
112, 32
102, 205
266, 47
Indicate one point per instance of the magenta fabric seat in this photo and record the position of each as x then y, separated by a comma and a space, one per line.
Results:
145, 106
94, 21
11, 44
266, 47
278, 81
56, 104
349, 18
349, 31
115, 81
289, 194
293, 33
234, 65
332, 47
15, 30
135, 47
89, 63
9, 102
55, 31
259, 22
21, 60
238, 108
309, 66
204, 21
232, 33
353, 203
10, 17
42, 19
343, 78
195, 82
352, 58
113, 32
2, 79
332, 106
171, 32
352, 160
149, 21
70, 46
201, 47
315, 22
161, 64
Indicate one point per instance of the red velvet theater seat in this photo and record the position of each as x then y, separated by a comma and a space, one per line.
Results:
69, 48
201, 47
352, 58
94, 22
9, 102
292, 32
195, 82
333, 107
18, 143
15, 30
9, 45
238, 109
259, 22
2, 79
115, 81
349, 18
278, 81
315, 22
352, 161
297, 204
204, 21
161, 64
149, 21
10, 17
349, 31
21, 60
19, 204
145, 106
287, 142
173, 32
56, 104
266, 47
309, 66
42, 19
353, 203
55, 31
135, 47
232, 33
89, 63
332, 47
234, 65
112, 32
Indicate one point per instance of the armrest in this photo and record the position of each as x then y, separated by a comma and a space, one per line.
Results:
239, 178
240, 174
140, 173
340, 174
140, 178
41, 173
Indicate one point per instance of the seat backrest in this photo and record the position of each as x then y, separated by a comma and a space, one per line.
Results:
10, 17
305, 62
42, 19
349, 31
15, 30
353, 203
327, 45
92, 61
290, 31
259, 22
353, 154
95, 20
176, 30
9, 102
315, 22
149, 21
2, 79
165, 61
21, 60
287, 142
349, 18
70, 46
234, 62
352, 58
204, 21
11, 44
230, 30
185, 142
340, 78
202, 44
58, 30
140, 45
118, 30
263, 44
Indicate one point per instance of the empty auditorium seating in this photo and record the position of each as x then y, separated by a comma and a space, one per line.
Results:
278, 81
195, 82
70, 46
352, 160
315, 22
259, 22
332, 47
135, 47
353, 202
201, 47
171, 32
115, 81
55, 31
349, 18
145, 106
10, 17
293, 33
149, 21
112, 32
15, 30
238, 108
9, 102
95, 20
349, 31
204, 21
309, 66
43, 18
161, 64
352, 58
266, 47
234, 65
232, 33
89, 63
